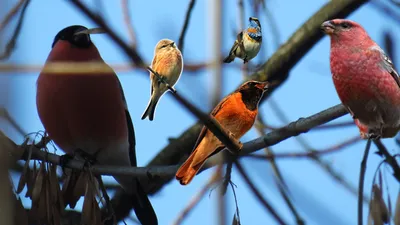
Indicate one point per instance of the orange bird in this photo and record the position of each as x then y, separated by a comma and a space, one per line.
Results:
87, 113
236, 113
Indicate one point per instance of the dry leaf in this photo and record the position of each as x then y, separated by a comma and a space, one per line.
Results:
378, 209
37, 189
31, 181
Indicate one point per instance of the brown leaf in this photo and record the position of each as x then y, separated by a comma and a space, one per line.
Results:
73, 187
378, 209
91, 213
38, 186
31, 181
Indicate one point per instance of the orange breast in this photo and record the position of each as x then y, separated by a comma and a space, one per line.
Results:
235, 117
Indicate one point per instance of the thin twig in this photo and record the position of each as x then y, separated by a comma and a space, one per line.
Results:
361, 182
185, 25
259, 196
325, 166
4, 114
388, 158
128, 22
195, 200
107, 199
312, 154
13, 40
279, 181
90, 67
389, 12
241, 24
10, 15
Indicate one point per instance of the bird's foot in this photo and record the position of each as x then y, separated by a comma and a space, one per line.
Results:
163, 80
373, 135
89, 159
233, 138
65, 159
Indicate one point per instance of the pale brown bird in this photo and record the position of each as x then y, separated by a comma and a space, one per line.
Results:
236, 113
168, 63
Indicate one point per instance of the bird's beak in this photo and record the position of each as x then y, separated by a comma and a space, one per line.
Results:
92, 31
328, 27
262, 85
172, 44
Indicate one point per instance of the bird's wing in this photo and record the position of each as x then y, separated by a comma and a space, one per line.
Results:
239, 39
213, 113
238, 43
387, 64
131, 130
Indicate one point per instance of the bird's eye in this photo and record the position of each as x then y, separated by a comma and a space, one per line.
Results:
345, 25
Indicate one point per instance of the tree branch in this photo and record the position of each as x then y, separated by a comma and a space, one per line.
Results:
185, 25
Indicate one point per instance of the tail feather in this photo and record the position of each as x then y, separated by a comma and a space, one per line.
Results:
142, 206
186, 172
151, 108
229, 58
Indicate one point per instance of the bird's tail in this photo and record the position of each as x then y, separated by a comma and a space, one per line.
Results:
141, 204
151, 108
143, 209
229, 58
186, 172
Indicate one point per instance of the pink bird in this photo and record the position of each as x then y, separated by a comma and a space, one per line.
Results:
88, 112
364, 78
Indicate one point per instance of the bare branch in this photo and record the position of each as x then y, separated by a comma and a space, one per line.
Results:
311, 154
92, 67
4, 114
388, 158
11, 14
128, 22
259, 196
13, 40
361, 182
195, 200
185, 25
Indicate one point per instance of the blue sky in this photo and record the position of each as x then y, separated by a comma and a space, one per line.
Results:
309, 89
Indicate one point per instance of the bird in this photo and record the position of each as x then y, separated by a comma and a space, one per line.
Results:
365, 79
236, 113
87, 114
168, 63
247, 43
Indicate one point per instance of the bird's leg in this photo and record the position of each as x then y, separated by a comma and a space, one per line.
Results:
233, 138
162, 79
89, 159
245, 60
375, 134
66, 158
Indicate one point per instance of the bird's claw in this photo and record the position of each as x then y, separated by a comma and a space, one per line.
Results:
65, 159
89, 159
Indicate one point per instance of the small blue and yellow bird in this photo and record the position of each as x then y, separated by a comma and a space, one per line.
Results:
248, 42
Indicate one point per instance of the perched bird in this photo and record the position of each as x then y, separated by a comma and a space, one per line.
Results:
364, 78
236, 113
168, 63
87, 113
247, 43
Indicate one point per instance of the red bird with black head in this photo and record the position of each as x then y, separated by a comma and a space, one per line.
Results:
87, 113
